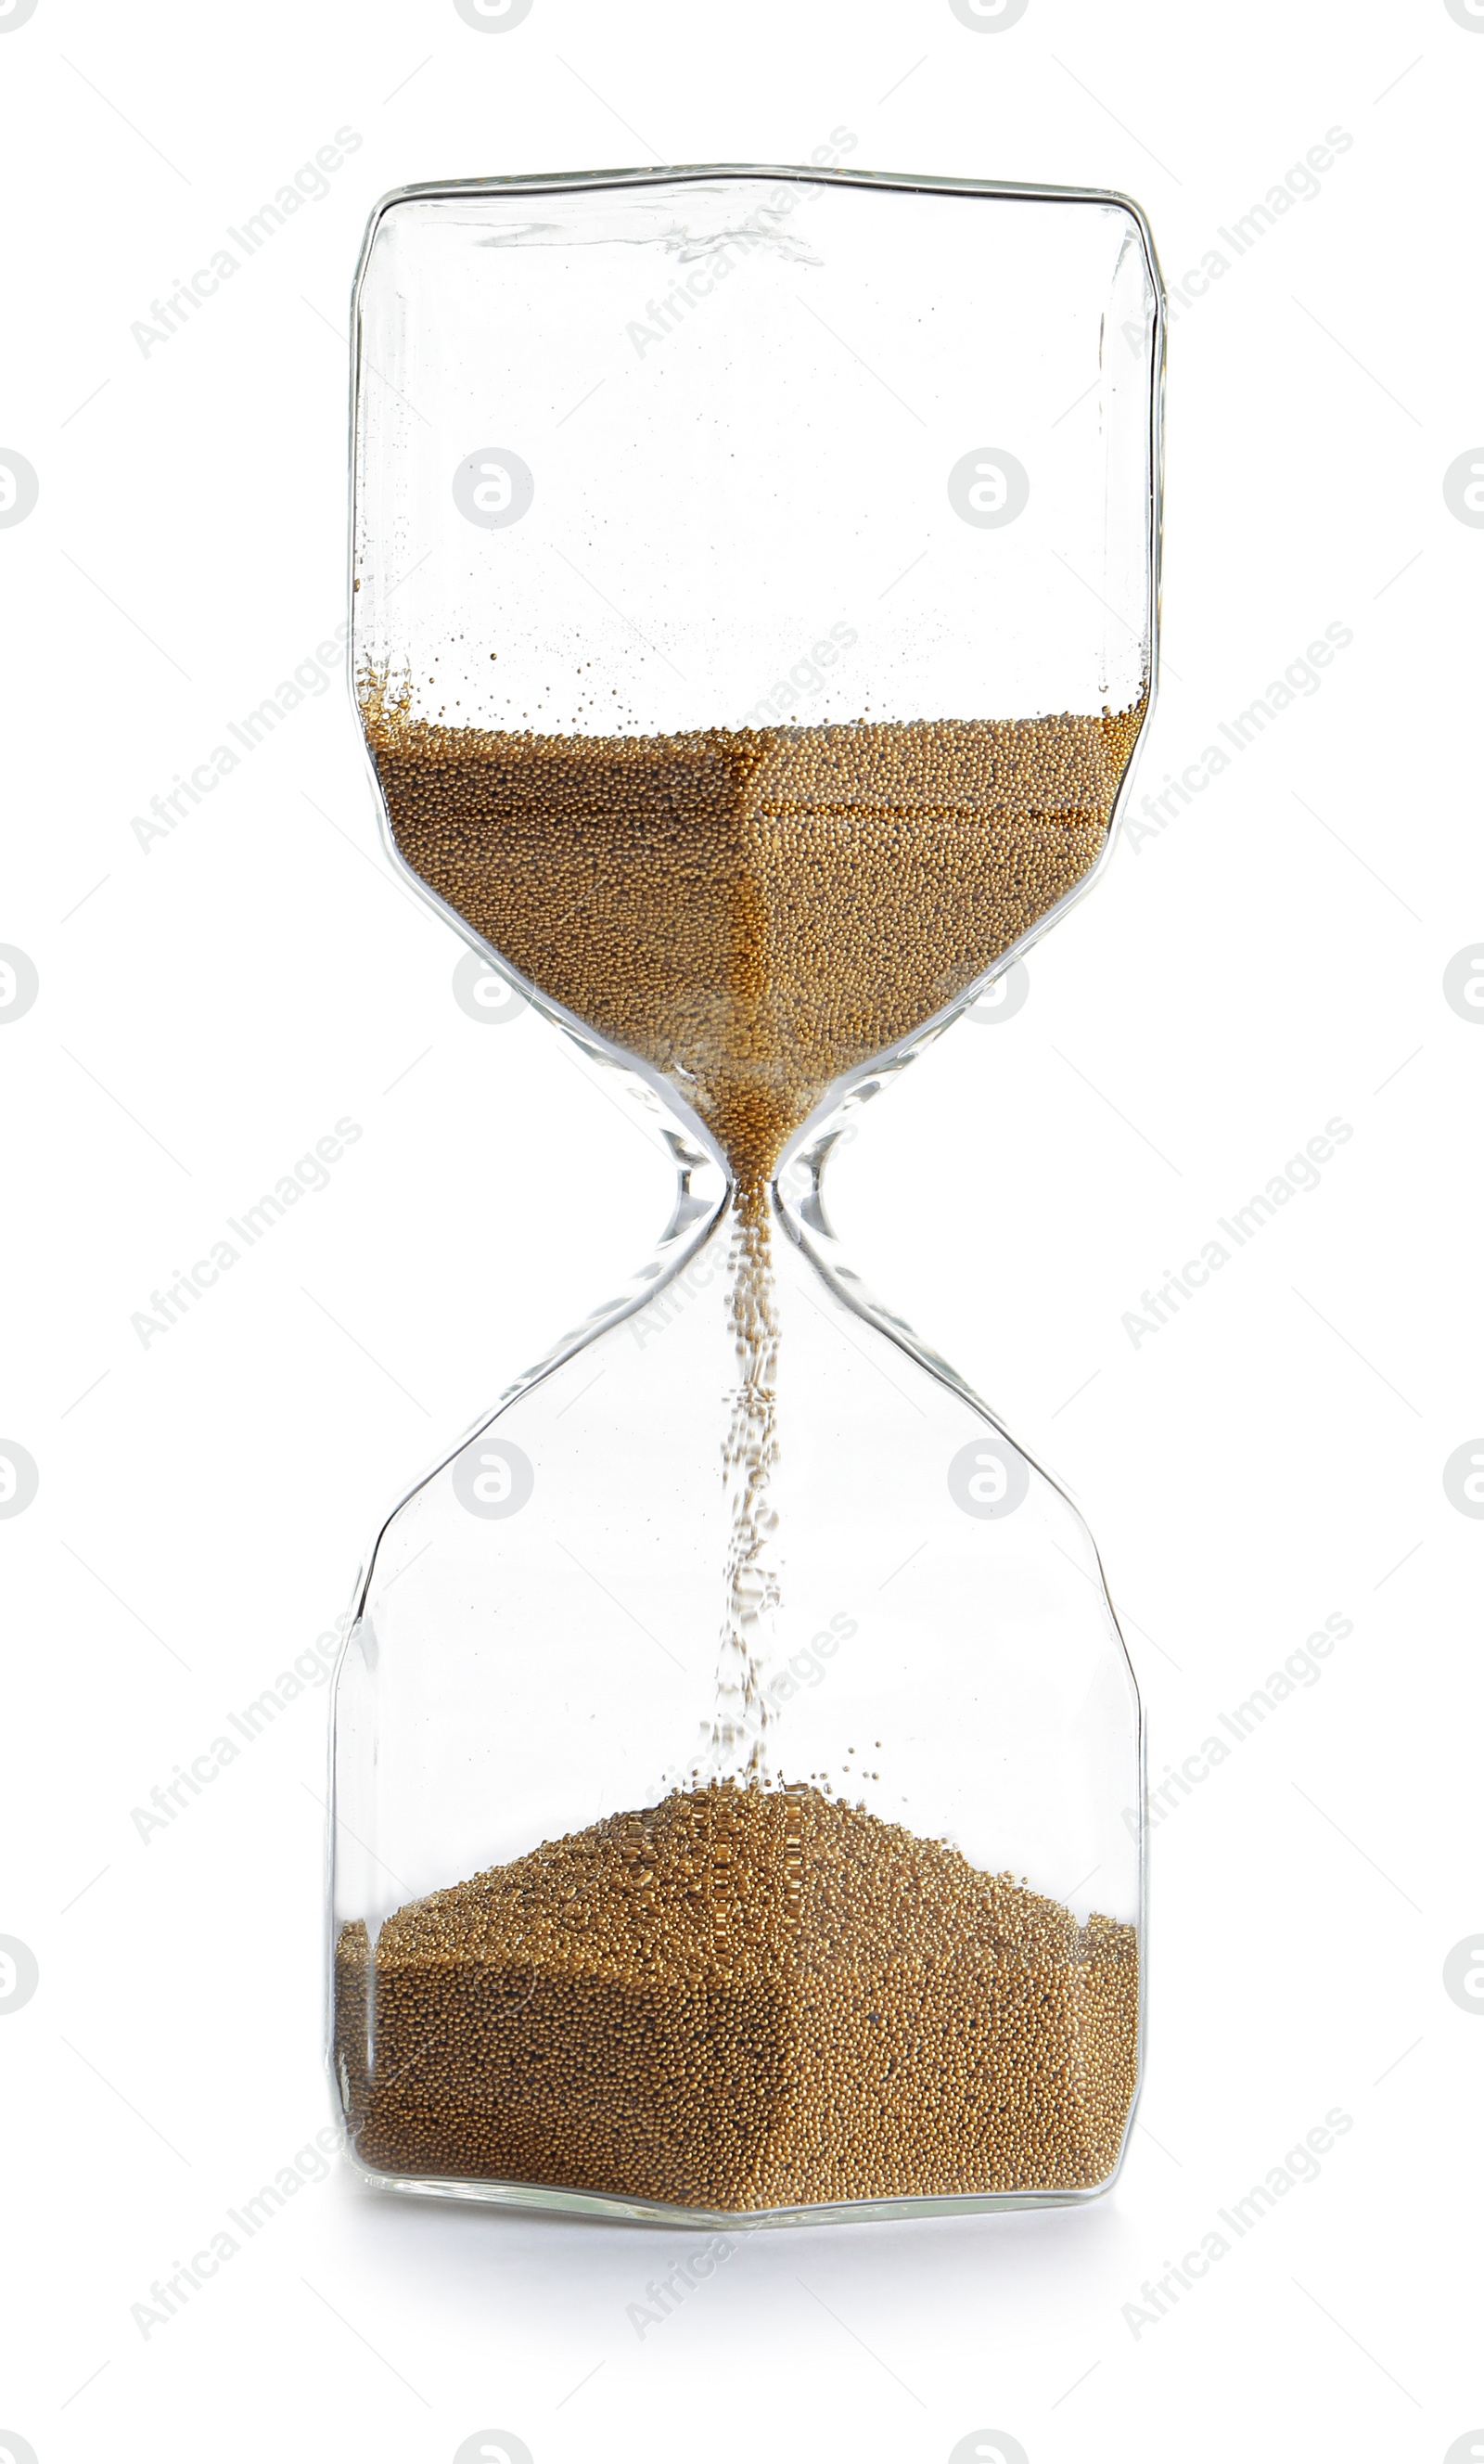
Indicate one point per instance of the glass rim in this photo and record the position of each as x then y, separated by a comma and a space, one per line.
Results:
662, 174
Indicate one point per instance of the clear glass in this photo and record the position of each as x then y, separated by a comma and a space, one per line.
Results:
737, 1764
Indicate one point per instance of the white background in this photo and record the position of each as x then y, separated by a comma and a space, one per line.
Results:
1272, 958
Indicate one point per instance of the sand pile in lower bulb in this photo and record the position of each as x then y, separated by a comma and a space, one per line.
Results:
741, 1999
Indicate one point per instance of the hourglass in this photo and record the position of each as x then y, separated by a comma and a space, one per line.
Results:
737, 1803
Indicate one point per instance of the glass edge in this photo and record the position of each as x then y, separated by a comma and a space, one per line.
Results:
597, 2206
652, 174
